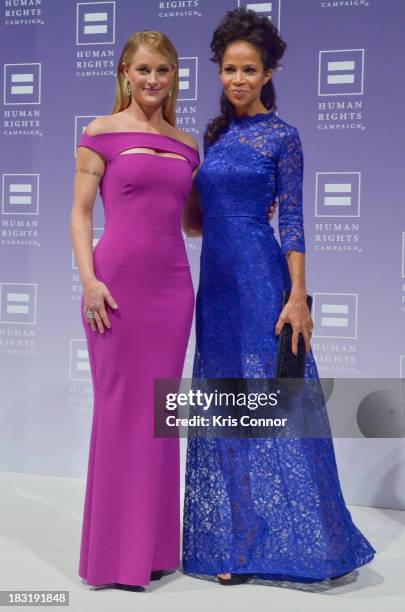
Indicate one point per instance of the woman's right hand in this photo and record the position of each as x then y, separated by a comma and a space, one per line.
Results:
95, 292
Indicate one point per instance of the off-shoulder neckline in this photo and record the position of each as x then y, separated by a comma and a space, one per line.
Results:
143, 133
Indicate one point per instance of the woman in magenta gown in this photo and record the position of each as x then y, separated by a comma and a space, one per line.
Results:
137, 309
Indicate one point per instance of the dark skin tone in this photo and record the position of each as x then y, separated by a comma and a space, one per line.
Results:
242, 75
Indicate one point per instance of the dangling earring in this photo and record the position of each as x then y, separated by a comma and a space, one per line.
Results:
128, 87
170, 92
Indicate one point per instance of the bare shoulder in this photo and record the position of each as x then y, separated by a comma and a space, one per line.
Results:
99, 125
187, 139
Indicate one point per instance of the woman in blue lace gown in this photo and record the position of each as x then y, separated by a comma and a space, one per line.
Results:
267, 507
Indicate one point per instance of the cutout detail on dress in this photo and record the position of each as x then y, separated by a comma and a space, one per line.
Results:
150, 151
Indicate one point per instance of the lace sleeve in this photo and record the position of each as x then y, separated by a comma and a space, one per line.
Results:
290, 170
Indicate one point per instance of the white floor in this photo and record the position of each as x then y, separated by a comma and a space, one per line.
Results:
40, 526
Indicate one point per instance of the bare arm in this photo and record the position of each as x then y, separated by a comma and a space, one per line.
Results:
191, 220
296, 266
89, 170
296, 310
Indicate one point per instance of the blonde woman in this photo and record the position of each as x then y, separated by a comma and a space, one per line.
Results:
137, 308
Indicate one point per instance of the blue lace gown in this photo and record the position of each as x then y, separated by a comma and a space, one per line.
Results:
266, 506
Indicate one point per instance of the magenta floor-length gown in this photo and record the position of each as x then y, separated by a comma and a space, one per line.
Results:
131, 522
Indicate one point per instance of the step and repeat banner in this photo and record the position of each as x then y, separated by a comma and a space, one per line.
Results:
340, 84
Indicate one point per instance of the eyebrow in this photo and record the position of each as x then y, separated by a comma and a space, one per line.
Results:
148, 66
228, 64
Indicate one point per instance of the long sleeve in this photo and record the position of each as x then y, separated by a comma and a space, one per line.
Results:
290, 171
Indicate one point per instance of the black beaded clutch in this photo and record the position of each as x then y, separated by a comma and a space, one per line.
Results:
289, 365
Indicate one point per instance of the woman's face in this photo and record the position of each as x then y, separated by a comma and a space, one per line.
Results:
242, 74
150, 76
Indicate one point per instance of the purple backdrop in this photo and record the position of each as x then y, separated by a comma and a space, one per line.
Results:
340, 85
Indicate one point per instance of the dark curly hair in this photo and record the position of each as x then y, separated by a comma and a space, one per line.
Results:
259, 31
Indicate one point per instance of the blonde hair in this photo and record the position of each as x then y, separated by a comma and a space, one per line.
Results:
161, 43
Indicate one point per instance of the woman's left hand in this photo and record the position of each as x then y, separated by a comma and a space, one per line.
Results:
297, 313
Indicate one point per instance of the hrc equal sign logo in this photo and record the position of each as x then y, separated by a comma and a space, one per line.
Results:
18, 303
337, 194
22, 83
95, 23
265, 9
20, 194
82, 360
341, 72
338, 200
335, 315
81, 122
188, 75
79, 364
184, 78
260, 7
